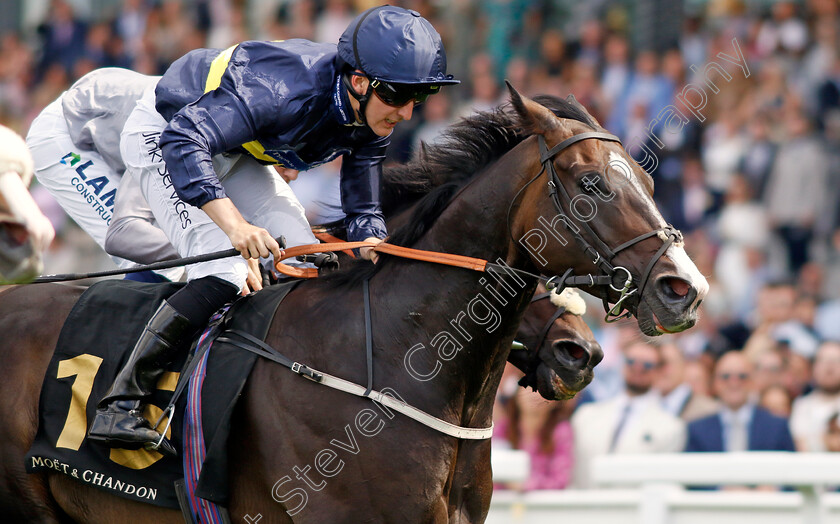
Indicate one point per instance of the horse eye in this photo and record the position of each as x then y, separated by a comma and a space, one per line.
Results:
589, 182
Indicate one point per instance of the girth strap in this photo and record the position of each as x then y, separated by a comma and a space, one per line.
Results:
262, 349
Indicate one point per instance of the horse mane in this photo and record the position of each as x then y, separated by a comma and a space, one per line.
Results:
430, 180
463, 150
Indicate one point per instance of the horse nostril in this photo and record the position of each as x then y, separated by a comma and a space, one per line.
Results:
674, 290
678, 286
575, 351
571, 354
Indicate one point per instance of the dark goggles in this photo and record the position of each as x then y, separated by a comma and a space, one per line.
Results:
398, 95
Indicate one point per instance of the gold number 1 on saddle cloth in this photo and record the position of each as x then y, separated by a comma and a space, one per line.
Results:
84, 367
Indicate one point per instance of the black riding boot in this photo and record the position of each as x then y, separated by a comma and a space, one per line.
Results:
119, 422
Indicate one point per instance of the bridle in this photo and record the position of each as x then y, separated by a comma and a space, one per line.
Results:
533, 353
549, 323
618, 278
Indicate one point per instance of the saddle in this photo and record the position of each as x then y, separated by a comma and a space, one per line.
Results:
93, 345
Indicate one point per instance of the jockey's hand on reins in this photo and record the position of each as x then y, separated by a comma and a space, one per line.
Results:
368, 253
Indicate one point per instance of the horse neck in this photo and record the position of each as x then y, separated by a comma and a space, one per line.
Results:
475, 222
447, 301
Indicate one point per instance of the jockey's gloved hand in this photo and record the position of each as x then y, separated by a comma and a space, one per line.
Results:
368, 253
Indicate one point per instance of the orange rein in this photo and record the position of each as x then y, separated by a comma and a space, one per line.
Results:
323, 236
475, 264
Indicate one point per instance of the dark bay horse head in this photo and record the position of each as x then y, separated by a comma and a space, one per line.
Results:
597, 218
583, 188
556, 349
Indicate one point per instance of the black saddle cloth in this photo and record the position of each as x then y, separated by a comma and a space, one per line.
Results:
93, 345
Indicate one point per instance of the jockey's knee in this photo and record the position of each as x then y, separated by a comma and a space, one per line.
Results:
202, 297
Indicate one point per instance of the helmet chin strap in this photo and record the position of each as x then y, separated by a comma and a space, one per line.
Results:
362, 99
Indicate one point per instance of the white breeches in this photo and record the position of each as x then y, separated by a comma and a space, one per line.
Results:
262, 197
80, 181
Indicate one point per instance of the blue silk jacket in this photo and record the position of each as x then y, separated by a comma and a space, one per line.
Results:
280, 102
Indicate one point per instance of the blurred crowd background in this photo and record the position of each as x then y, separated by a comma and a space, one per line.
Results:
753, 184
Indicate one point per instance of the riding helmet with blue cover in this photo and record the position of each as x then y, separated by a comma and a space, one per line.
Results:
395, 45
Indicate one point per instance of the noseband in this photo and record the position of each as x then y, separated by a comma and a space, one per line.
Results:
533, 354
547, 327
618, 278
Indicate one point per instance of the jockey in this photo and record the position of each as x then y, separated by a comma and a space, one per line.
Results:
200, 145
76, 144
17, 208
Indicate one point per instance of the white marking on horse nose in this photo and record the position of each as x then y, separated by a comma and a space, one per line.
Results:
688, 272
620, 164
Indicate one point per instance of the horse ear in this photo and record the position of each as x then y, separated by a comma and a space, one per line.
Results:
572, 100
535, 118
